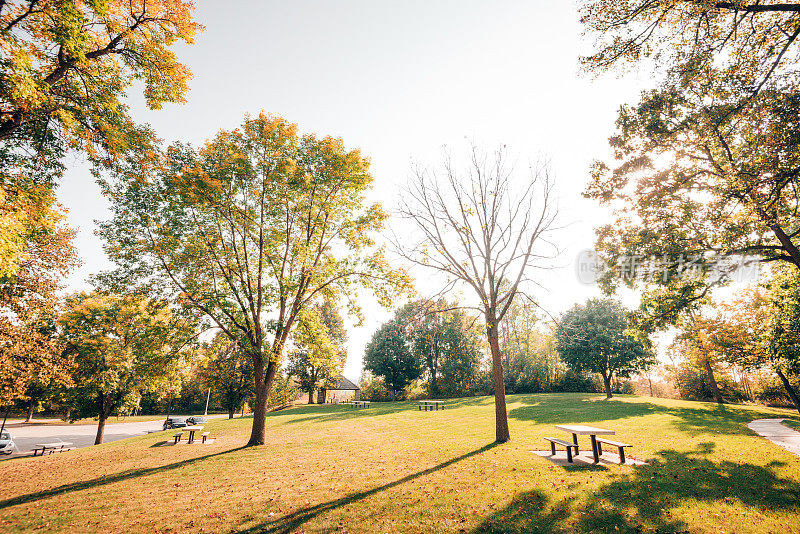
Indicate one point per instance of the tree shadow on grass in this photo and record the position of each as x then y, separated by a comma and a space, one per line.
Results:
526, 514
105, 480
645, 497
337, 412
295, 520
706, 417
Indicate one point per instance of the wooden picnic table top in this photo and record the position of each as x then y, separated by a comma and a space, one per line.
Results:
54, 444
191, 428
431, 401
584, 430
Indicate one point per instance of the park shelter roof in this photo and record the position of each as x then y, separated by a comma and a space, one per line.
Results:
341, 383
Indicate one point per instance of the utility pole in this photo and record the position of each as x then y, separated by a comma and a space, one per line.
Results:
208, 397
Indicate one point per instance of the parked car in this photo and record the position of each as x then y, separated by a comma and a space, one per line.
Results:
6, 443
196, 420
174, 422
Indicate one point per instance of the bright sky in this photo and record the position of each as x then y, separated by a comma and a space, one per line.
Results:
397, 79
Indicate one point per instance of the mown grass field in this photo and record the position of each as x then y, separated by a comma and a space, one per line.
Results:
391, 468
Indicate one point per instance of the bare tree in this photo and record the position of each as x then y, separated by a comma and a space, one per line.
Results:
483, 229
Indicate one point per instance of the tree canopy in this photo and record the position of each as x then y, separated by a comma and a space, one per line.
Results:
123, 346
250, 230
593, 337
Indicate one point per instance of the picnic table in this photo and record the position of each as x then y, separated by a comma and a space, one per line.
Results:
56, 446
192, 429
359, 404
431, 405
583, 430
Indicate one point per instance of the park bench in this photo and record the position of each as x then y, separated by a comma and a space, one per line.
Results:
619, 445
566, 444
426, 405
205, 435
50, 448
177, 436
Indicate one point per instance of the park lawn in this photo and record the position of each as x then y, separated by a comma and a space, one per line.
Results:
392, 468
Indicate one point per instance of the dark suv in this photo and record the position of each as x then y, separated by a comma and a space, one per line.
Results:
174, 422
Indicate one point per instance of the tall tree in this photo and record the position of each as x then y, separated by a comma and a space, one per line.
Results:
228, 372
250, 230
484, 230
30, 348
123, 346
593, 337
388, 355
65, 70
318, 353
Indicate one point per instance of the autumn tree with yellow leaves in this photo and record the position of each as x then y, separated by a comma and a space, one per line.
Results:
250, 230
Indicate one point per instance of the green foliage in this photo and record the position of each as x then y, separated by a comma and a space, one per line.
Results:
692, 384
594, 338
123, 346
228, 371
388, 356
783, 320
319, 352
250, 230
374, 389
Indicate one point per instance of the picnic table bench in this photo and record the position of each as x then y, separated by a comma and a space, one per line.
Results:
584, 430
426, 405
621, 446
50, 448
569, 446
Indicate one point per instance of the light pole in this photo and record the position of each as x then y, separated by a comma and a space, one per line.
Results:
207, 399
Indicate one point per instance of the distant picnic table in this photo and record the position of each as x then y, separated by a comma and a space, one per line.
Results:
56, 446
359, 404
431, 405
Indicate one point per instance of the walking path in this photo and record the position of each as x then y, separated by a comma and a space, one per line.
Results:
773, 430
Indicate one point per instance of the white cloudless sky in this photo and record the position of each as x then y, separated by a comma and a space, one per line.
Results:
397, 79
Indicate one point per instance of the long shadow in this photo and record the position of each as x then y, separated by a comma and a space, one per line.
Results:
677, 478
105, 480
293, 521
339, 412
526, 514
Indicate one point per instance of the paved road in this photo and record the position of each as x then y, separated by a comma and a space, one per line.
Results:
773, 430
27, 435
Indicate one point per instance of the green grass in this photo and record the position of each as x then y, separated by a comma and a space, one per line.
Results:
792, 423
391, 468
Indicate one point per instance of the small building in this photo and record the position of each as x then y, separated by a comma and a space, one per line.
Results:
338, 390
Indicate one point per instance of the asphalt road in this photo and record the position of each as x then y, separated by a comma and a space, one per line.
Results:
27, 435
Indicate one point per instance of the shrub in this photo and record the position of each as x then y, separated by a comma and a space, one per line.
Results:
374, 389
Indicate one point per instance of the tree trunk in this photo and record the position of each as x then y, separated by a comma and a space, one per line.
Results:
230, 411
30, 413
500, 416
101, 427
311, 396
650, 381
789, 389
713, 383
263, 383
607, 385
